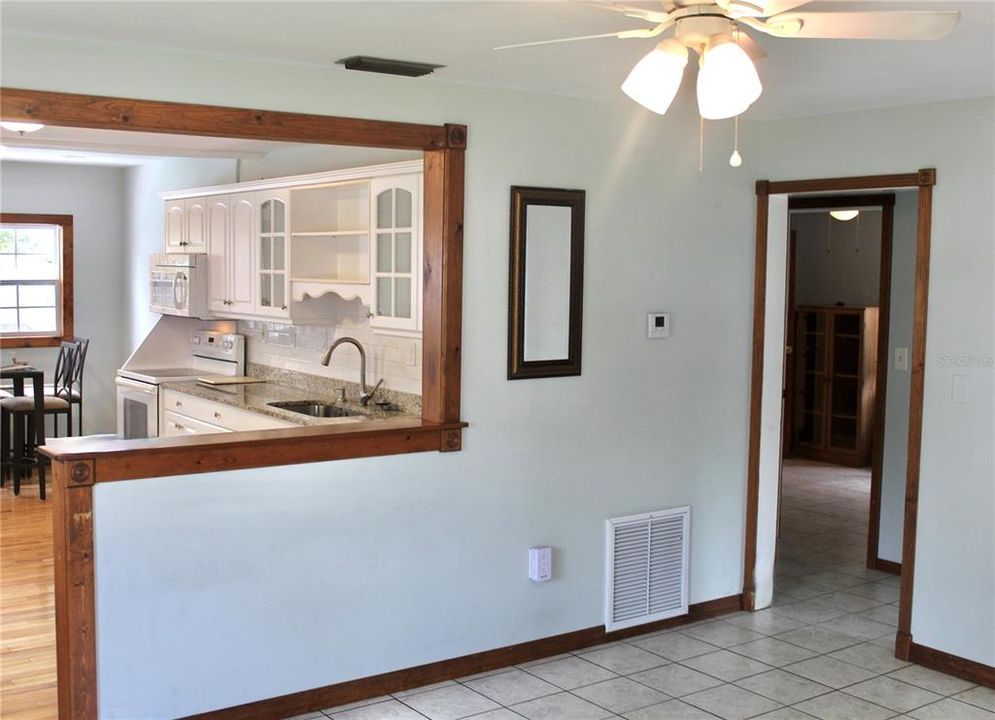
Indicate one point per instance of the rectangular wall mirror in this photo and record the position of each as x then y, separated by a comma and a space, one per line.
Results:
546, 283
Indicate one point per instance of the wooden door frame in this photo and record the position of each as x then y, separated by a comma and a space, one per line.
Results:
440, 428
923, 181
886, 203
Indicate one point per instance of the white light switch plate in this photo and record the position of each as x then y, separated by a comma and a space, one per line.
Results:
901, 358
540, 563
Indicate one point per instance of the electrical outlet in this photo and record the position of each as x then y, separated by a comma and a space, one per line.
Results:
540, 563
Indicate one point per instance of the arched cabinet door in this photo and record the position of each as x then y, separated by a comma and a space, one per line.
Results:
395, 262
272, 247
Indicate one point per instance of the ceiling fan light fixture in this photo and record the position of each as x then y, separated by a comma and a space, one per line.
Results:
21, 127
844, 215
727, 79
653, 81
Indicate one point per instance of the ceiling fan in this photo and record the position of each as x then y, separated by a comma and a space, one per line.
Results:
727, 79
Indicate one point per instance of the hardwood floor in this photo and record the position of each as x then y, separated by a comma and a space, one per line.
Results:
27, 606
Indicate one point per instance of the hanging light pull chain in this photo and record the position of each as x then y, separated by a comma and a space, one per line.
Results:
735, 160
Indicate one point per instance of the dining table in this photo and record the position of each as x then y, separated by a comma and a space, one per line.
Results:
19, 374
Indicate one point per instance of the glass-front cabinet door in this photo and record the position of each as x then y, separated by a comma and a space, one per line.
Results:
272, 246
396, 259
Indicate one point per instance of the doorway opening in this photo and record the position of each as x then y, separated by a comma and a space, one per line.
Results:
822, 374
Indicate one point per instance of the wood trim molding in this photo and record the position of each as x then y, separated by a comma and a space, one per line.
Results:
923, 180
66, 280
76, 613
114, 460
111, 113
887, 566
955, 665
864, 182
398, 680
917, 384
881, 381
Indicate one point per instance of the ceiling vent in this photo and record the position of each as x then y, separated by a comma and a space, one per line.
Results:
387, 67
647, 573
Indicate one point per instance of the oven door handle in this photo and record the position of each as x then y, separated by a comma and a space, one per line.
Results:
137, 386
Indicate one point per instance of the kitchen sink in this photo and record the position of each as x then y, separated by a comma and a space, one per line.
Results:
314, 408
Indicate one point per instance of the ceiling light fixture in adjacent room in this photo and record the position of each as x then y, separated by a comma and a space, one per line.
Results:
844, 215
21, 127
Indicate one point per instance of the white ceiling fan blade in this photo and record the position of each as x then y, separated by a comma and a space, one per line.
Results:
887, 25
776, 7
653, 16
623, 35
758, 8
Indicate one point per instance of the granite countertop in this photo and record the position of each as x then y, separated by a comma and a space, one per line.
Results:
256, 397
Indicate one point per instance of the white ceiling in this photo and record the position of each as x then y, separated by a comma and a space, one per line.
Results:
801, 77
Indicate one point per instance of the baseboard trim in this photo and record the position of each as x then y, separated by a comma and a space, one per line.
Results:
952, 664
373, 686
887, 566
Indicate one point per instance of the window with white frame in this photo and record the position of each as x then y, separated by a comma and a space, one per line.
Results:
35, 279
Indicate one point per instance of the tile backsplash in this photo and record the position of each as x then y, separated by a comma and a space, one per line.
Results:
299, 348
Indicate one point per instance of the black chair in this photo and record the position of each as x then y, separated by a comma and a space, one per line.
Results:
28, 430
76, 386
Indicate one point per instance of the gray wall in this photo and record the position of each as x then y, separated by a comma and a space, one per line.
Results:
837, 261
896, 428
95, 197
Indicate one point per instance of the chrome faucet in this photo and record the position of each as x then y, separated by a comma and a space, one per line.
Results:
365, 394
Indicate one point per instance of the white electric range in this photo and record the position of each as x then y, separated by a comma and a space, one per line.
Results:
207, 353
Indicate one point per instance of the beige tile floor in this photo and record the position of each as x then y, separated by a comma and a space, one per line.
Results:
823, 650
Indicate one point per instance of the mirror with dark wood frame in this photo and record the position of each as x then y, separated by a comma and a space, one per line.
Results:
546, 282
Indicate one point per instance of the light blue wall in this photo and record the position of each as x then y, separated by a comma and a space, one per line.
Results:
95, 197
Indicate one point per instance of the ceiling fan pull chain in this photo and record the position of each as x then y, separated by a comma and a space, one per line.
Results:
735, 160
701, 143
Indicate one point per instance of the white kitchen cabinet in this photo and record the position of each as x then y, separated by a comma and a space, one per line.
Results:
396, 259
275, 245
193, 413
176, 230
176, 425
186, 225
272, 253
230, 243
330, 241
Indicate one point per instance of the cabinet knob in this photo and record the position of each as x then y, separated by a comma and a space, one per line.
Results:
284, 307
179, 404
217, 415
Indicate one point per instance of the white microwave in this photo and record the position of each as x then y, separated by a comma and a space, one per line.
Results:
178, 285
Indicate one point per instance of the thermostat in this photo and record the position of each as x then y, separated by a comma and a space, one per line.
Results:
658, 325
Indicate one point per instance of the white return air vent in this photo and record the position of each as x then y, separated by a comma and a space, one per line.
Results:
647, 573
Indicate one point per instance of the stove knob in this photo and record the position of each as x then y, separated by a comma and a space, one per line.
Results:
228, 345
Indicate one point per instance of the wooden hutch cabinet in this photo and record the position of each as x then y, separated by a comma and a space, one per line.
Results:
835, 383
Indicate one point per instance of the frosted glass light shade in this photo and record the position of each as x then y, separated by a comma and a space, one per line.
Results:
727, 80
21, 127
654, 80
844, 215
